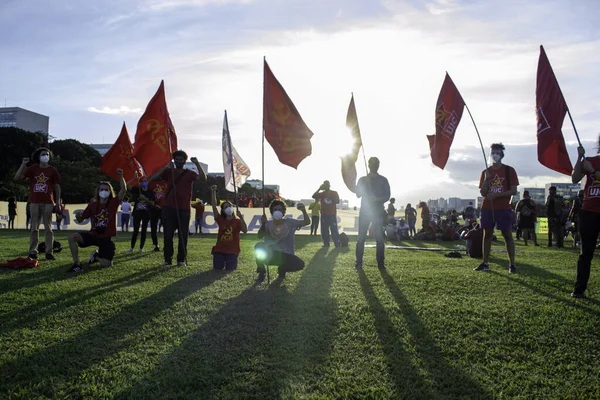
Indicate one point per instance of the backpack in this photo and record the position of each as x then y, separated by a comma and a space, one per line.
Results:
344, 239
525, 210
476, 237
56, 246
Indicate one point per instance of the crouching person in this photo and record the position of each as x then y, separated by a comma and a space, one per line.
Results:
103, 216
278, 247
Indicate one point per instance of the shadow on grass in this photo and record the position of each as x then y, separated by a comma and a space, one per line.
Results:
45, 369
444, 380
254, 346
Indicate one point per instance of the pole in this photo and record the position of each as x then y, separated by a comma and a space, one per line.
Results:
263, 157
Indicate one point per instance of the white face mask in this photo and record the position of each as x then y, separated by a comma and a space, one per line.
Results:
277, 215
44, 159
496, 158
104, 194
228, 211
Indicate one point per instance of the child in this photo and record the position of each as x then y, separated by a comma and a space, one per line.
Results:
226, 251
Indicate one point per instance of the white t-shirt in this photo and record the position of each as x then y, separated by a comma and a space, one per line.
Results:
126, 207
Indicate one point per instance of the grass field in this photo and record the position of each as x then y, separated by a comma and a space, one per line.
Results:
428, 327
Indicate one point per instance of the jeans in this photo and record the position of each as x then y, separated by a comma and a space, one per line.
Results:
41, 211
556, 227
155, 215
314, 225
173, 219
365, 218
329, 223
286, 262
225, 261
140, 218
589, 229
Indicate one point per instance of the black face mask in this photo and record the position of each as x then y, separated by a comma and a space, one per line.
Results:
179, 165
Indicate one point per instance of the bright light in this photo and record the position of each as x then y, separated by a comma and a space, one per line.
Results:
345, 143
261, 254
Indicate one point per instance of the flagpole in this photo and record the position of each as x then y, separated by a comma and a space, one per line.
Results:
230, 156
263, 157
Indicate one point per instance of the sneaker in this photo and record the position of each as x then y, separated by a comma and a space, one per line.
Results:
381, 267
261, 277
129, 251
50, 256
181, 264
76, 268
578, 295
512, 269
33, 255
93, 257
166, 263
141, 250
482, 267
358, 265
156, 248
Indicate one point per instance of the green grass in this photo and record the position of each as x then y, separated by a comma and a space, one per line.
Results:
429, 327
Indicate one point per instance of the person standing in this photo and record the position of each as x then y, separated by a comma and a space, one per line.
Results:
226, 251
374, 191
199, 217
143, 199
44, 187
574, 217
410, 214
103, 218
527, 215
125, 215
497, 184
589, 216
328, 199
159, 188
12, 212
315, 212
176, 209
391, 209
556, 223
469, 213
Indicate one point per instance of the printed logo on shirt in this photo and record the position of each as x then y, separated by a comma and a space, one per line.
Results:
102, 219
327, 200
40, 185
594, 190
159, 192
227, 234
497, 185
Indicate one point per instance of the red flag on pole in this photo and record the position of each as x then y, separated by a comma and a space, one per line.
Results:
551, 109
448, 112
155, 138
120, 155
284, 128
349, 160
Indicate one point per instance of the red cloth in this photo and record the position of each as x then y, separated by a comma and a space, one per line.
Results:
497, 184
120, 155
199, 210
349, 160
160, 190
103, 216
284, 128
551, 108
328, 201
183, 190
41, 183
591, 195
152, 148
228, 238
21, 263
448, 112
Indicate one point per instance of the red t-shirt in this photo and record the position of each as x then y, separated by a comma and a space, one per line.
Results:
228, 238
199, 210
328, 201
103, 216
160, 190
497, 184
41, 183
184, 179
591, 193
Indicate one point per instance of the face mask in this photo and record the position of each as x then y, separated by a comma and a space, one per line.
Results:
277, 215
104, 194
179, 165
44, 159
144, 185
228, 211
496, 157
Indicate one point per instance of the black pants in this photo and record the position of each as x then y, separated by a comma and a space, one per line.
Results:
285, 261
557, 228
314, 225
589, 229
173, 219
154, 218
140, 218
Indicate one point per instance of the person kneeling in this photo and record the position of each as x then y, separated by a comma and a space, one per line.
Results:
278, 247
226, 251
103, 216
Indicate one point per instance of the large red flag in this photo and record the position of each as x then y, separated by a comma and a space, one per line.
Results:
551, 108
284, 128
152, 148
448, 112
349, 160
120, 155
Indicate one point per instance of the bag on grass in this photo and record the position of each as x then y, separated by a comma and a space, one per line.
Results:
344, 239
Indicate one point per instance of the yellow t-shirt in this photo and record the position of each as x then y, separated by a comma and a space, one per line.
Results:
315, 208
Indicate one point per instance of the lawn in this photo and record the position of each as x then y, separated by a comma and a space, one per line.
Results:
428, 327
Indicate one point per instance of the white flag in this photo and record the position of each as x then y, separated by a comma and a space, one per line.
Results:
233, 165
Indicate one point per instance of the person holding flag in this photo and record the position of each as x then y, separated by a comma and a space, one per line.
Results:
589, 216
497, 184
176, 209
226, 251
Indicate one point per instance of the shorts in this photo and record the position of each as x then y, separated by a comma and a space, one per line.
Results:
503, 219
125, 219
106, 247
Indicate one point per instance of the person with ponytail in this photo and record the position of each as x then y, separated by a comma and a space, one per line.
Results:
226, 251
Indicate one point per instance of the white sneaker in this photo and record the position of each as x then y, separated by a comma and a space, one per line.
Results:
141, 250
181, 264
130, 251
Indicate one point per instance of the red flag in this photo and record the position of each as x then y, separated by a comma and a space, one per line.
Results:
349, 160
152, 148
448, 112
120, 155
284, 128
551, 108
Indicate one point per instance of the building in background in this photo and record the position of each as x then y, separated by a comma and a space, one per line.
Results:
568, 191
17, 117
101, 148
537, 194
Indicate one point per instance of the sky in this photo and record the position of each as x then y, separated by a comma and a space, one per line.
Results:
92, 65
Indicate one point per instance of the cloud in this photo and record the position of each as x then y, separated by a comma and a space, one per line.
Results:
123, 110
